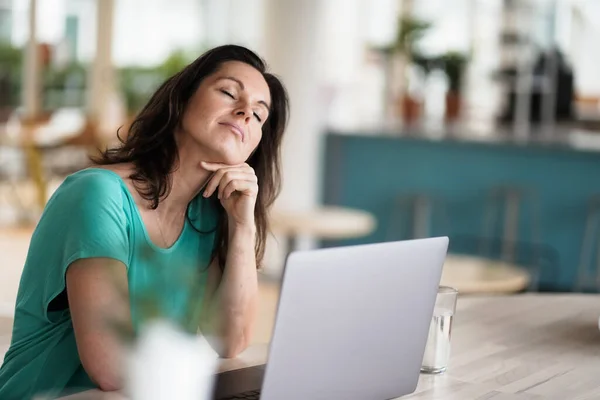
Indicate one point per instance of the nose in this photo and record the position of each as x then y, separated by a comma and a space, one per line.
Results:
244, 111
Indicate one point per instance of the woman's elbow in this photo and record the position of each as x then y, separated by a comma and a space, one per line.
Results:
108, 384
106, 379
230, 351
232, 347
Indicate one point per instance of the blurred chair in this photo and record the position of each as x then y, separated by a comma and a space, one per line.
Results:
64, 124
588, 274
508, 202
537, 259
13, 171
54, 146
413, 215
419, 210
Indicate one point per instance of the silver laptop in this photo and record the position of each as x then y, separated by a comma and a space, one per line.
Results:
351, 323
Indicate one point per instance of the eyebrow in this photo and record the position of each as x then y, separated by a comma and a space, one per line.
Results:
241, 84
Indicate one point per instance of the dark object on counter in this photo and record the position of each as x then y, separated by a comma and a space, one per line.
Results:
563, 87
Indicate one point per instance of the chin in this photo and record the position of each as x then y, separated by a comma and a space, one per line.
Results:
229, 157
232, 160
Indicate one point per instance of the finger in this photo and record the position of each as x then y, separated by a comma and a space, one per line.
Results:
222, 178
216, 180
249, 169
245, 187
230, 176
213, 184
209, 166
217, 166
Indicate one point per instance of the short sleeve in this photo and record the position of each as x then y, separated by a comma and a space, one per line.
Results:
96, 225
85, 218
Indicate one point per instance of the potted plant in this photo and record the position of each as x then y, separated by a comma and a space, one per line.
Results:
453, 64
410, 31
396, 57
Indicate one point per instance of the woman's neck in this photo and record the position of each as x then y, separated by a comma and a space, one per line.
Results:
187, 181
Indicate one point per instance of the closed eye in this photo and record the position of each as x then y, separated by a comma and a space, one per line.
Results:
227, 93
257, 117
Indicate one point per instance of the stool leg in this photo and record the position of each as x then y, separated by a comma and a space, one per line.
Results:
536, 236
511, 225
597, 269
586, 254
422, 217
489, 221
395, 219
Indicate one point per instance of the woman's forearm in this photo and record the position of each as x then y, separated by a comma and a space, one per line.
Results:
235, 302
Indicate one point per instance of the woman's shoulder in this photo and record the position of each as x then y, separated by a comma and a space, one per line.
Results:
97, 185
89, 200
92, 179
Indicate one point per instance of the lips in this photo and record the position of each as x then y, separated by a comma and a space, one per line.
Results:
235, 128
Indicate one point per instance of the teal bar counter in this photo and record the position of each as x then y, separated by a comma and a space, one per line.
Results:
370, 172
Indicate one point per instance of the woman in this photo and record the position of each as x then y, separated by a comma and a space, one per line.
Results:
179, 196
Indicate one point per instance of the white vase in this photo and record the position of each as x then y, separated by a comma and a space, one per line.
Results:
167, 363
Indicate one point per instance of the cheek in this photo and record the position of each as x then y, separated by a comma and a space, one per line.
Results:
194, 121
256, 138
201, 111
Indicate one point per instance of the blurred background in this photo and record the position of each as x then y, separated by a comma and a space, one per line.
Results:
475, 119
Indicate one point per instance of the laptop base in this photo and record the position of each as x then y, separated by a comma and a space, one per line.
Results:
231, 383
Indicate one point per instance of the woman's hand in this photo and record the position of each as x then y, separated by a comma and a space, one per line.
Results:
237, 187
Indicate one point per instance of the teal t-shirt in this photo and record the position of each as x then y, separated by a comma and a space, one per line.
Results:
92, 214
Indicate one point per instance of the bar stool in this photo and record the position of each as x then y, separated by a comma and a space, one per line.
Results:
420, 209
588, 274
506, 202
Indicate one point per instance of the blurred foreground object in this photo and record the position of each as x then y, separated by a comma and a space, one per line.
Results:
167, 363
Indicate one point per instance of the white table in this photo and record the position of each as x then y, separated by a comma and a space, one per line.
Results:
503, 347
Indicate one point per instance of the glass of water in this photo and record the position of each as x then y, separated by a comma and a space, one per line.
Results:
437, 350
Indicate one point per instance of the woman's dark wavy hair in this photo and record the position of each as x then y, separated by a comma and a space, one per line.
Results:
150, 143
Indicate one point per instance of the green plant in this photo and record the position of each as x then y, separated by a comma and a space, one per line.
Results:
139, 83
453, 64
427, 64
409, 32
64, 86
11, 59
176, 61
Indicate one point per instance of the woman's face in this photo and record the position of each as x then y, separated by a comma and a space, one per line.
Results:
225, 116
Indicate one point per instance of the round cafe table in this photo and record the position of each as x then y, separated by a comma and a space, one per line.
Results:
521, 347
476, 275
325, 222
